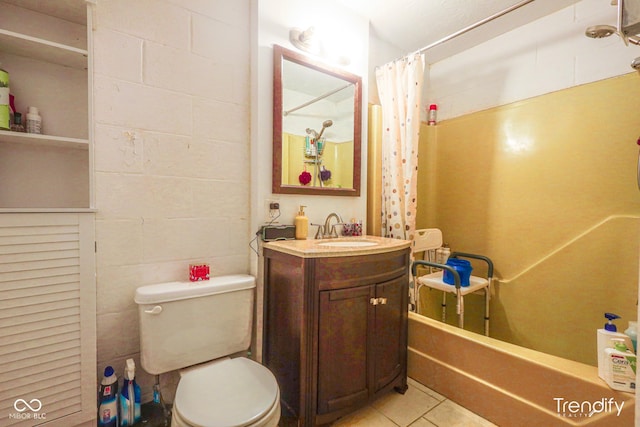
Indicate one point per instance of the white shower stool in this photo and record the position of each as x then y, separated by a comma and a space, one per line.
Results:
424, 241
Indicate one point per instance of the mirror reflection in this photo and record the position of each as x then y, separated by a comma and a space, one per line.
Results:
316, 127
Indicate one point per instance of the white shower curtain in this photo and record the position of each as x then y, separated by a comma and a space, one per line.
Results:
399, 89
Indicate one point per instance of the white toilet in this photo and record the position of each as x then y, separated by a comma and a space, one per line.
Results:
188, 323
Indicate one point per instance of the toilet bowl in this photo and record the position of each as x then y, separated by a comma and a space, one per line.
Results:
231, 393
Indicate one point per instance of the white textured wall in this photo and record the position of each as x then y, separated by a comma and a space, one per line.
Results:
275, 18
172, 161
549, 54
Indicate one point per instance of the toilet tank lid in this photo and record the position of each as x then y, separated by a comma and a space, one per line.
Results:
173, 291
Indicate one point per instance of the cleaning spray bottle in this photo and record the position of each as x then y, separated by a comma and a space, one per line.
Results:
130, 396
108, 399
604, 337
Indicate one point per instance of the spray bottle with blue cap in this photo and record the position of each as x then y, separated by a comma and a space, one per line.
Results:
604, 337
130, 397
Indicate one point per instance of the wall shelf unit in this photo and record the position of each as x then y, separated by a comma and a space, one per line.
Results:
47, 220
44, 46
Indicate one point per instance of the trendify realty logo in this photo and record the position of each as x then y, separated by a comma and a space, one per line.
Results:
576, 409
27, 410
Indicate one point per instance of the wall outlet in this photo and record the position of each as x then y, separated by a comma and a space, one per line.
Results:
272, 211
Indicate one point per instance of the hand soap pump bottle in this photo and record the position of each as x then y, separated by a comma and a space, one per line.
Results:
604, 337
130, 396
302, 224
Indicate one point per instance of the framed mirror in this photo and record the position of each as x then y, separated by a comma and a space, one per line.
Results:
317, 119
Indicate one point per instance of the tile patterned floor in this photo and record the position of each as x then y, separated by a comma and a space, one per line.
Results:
418, 407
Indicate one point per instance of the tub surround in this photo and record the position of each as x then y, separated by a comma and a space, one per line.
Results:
507, 384
565, 188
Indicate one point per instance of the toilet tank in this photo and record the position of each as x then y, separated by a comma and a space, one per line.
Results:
186, 323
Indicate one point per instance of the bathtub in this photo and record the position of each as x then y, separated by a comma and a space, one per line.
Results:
511, 385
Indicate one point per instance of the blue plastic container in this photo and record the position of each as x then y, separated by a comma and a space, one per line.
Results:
463, 267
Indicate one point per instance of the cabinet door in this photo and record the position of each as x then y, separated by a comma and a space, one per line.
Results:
390, 331
48, 318
344, 347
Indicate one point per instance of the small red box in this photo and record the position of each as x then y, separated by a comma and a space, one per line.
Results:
198, 272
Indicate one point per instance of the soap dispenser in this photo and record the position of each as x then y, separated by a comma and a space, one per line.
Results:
603, 341
302, 224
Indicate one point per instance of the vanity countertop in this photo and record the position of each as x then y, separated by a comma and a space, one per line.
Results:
352, 246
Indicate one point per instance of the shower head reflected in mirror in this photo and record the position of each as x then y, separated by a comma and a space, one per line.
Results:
316, 135
325, 124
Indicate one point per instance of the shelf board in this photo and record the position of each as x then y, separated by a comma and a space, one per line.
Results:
48, 140
47, 210
67, 10
43, 50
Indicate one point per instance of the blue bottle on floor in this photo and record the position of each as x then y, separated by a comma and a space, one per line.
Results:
130, 397
108, 399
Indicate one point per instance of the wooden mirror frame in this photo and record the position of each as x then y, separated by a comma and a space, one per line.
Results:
281, 54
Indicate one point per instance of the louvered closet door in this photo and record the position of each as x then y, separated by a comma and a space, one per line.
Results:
47, 319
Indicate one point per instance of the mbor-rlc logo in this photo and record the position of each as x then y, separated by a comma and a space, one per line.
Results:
27, 410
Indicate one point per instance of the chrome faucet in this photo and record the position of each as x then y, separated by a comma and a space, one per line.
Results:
328, 231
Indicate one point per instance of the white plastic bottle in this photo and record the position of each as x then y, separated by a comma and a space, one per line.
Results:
442, 254
603, 339
632, 332
620, 366
432, 115
108, 399
34, 121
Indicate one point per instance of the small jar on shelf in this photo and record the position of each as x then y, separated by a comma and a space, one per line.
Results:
17, 125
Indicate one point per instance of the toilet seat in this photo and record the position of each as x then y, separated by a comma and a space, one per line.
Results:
231, 393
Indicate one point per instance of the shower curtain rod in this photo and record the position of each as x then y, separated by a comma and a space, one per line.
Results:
285, 113
469, 28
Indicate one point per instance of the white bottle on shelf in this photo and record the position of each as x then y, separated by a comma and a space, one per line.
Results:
442, 254
34, 121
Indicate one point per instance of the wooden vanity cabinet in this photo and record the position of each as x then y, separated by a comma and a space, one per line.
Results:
335, 331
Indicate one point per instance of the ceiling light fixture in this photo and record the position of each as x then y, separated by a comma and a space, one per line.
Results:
318, 44
305, 40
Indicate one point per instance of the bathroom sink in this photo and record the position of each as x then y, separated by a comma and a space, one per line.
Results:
337, 247
348, 244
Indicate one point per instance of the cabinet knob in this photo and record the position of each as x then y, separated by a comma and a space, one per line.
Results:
382, 300
376, 301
